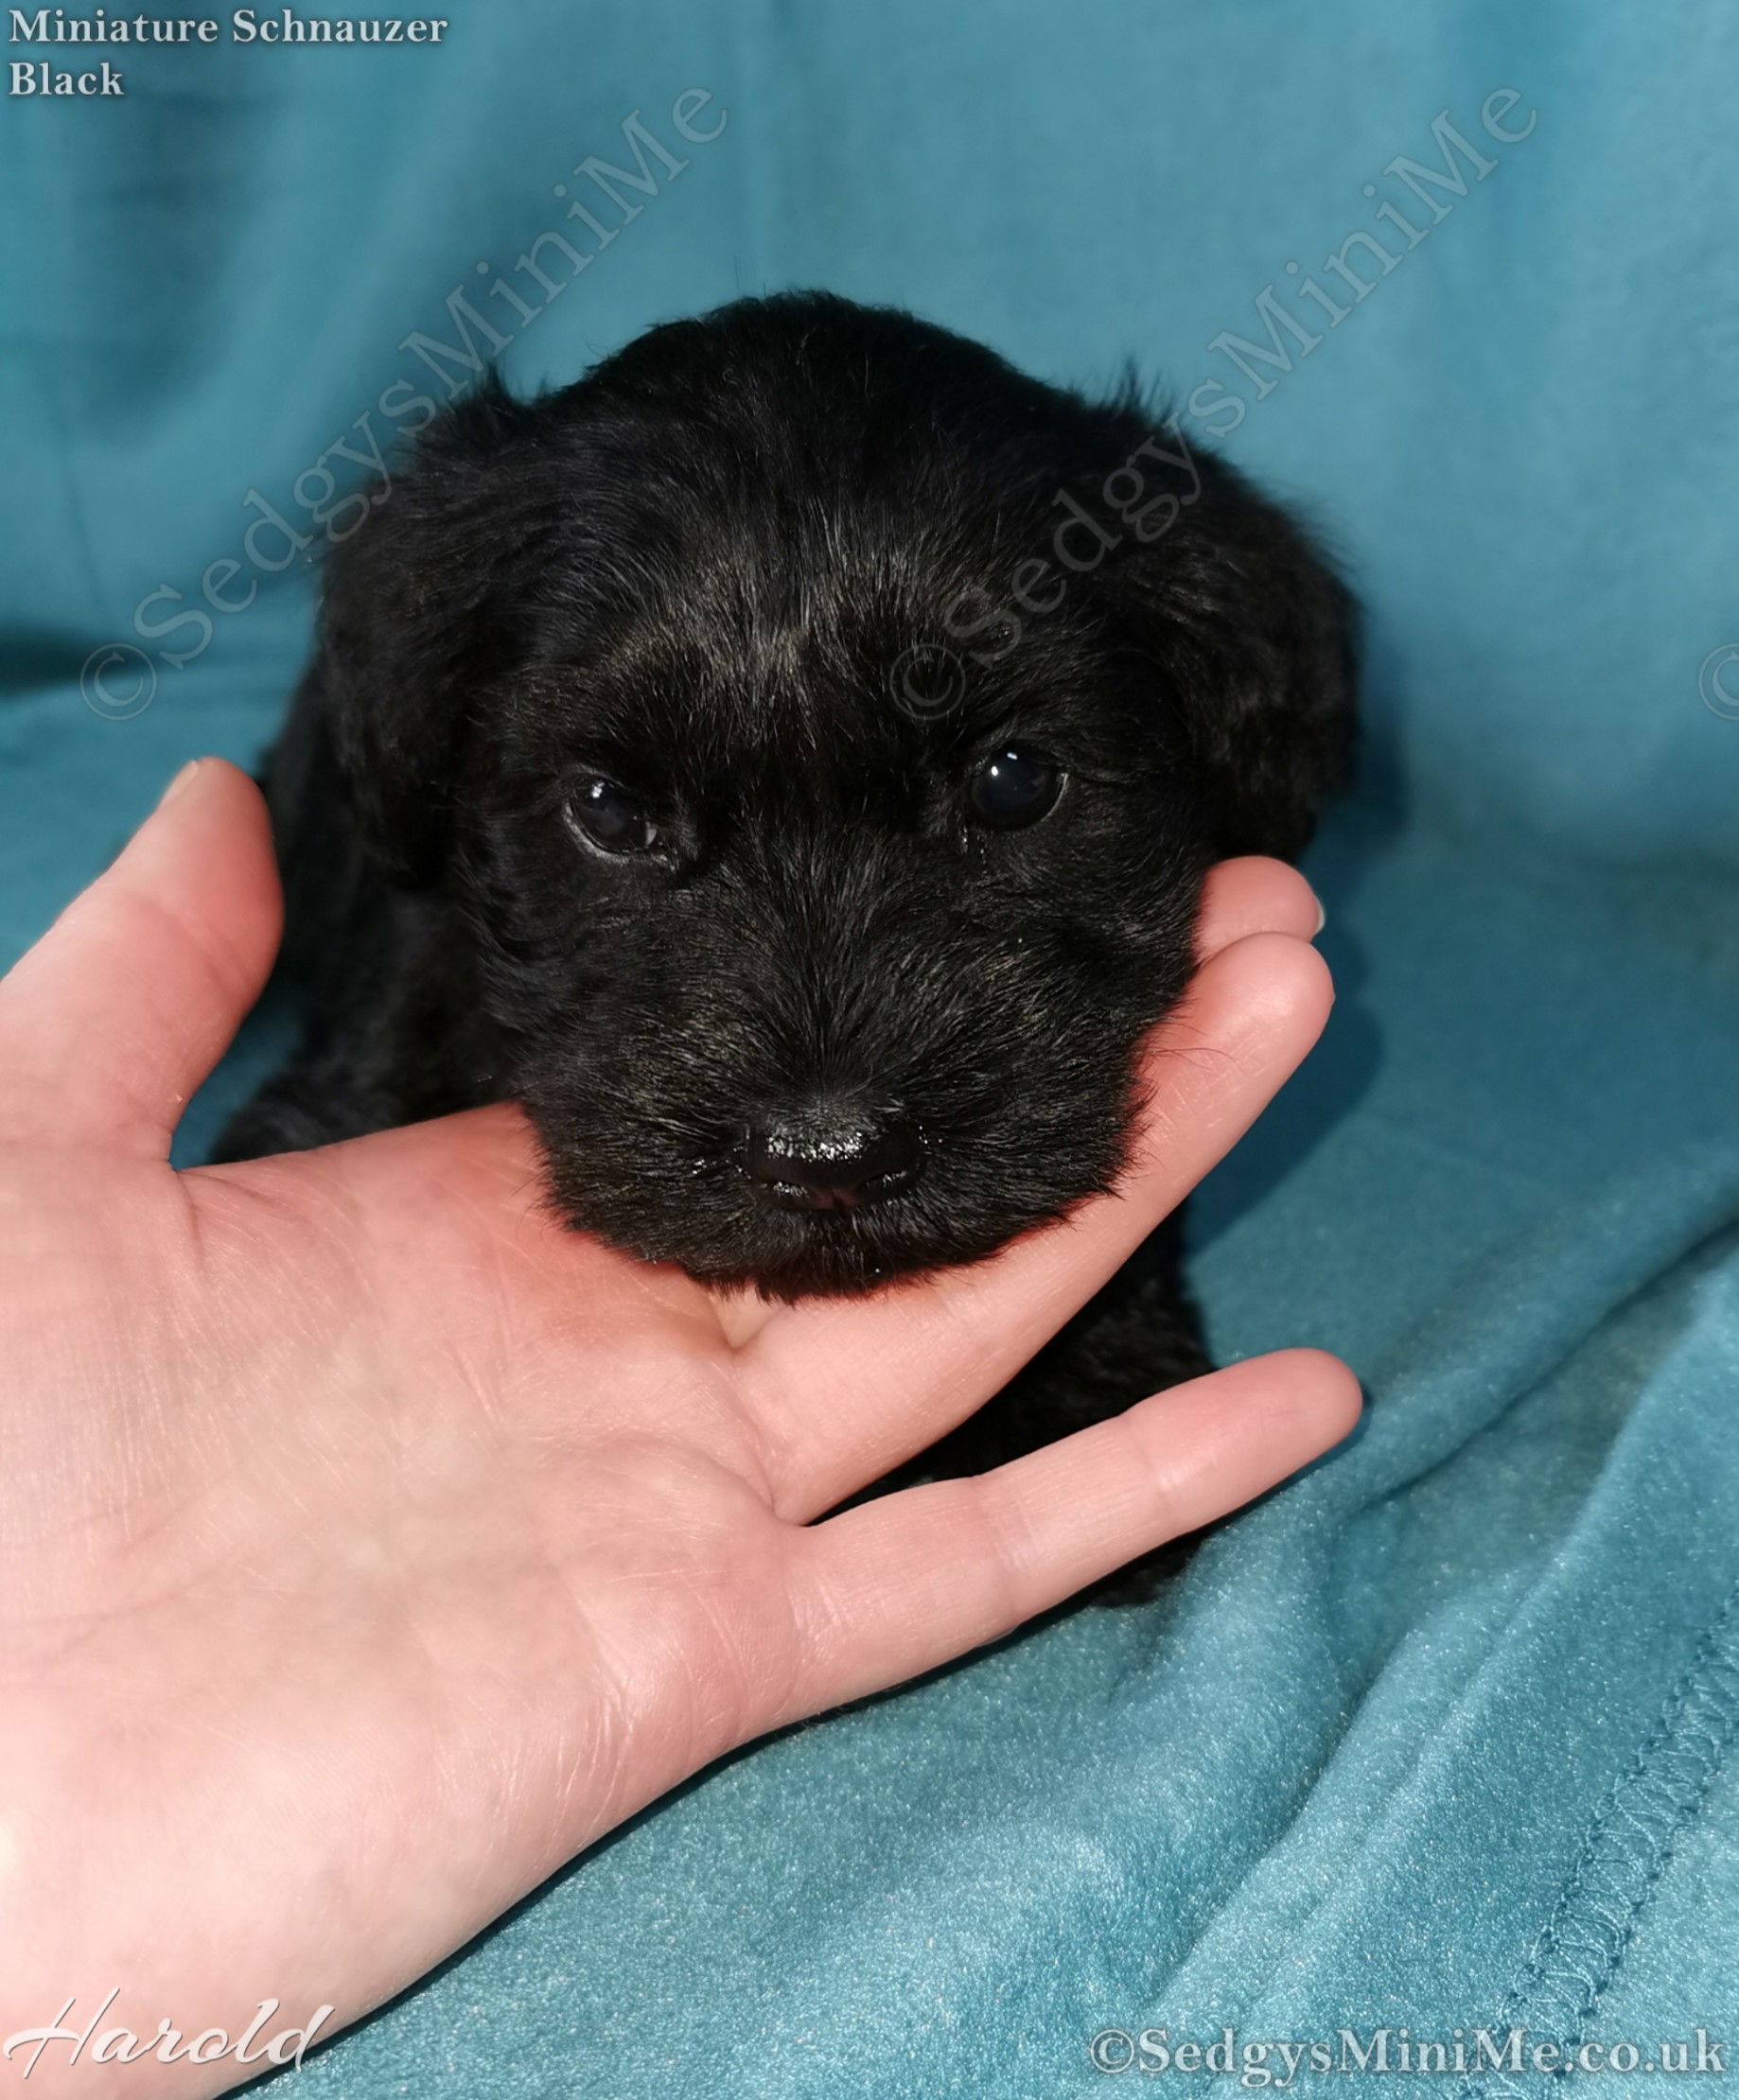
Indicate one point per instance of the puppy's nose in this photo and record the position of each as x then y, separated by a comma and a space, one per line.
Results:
828, 1162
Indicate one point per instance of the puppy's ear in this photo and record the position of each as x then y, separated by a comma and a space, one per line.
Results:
1252, 634
415, 615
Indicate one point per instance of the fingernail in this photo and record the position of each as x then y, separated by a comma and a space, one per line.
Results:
1322, 917
180, 783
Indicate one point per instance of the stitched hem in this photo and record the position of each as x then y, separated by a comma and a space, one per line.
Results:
1625, 1851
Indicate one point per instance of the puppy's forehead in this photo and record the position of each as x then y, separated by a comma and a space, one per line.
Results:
799, 577
829, 657
708, 694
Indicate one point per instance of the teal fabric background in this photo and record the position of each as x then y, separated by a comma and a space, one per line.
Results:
1434, 1738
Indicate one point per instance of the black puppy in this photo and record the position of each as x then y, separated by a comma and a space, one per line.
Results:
787, 761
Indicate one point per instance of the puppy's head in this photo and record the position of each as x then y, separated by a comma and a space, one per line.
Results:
823, 731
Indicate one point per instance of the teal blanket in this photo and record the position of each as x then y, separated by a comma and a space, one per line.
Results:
1437, 1736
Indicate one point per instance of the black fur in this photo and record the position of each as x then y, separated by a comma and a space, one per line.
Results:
770, 572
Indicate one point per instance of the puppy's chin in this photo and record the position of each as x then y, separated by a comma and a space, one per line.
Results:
835, 1258
789, 1255
833, 1263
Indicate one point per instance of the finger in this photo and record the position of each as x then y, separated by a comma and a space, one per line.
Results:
900, 1586
108, 1024
1255, 895
843, 1390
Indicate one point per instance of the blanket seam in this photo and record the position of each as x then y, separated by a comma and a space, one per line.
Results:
1627, 1848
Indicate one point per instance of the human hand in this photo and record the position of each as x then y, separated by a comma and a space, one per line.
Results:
369, 1545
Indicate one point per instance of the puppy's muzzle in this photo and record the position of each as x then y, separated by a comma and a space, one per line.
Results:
825, 1161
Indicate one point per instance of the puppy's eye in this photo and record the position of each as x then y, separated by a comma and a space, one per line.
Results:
1013, 788
608, 816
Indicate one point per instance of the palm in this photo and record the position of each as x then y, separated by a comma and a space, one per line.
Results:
393, 1543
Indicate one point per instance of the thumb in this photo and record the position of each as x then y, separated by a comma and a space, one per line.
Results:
108, 1024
